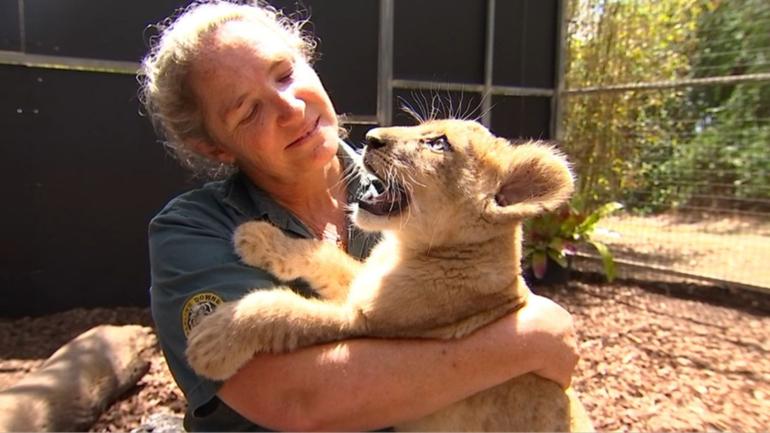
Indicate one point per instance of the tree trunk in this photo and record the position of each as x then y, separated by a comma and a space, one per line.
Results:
79, 381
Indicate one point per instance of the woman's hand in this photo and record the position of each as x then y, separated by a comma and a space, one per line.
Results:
550, 333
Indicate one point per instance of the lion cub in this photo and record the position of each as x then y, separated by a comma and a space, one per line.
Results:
449, 263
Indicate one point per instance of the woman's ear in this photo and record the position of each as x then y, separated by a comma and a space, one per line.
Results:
211, 151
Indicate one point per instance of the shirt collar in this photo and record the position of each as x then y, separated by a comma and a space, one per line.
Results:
255, 203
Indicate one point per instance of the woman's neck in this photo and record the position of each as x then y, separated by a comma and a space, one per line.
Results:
315, 197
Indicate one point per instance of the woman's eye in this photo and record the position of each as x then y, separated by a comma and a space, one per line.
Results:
251, 114
285, 78
439, 144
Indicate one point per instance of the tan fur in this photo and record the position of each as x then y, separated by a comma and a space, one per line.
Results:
447, 265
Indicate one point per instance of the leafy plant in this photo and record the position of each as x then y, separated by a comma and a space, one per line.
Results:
659, 149
557, 235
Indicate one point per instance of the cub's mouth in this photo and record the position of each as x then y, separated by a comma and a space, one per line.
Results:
386, 198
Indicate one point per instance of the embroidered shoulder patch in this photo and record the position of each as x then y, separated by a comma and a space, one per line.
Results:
197, 307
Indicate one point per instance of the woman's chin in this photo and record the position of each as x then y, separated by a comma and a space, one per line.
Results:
324, 149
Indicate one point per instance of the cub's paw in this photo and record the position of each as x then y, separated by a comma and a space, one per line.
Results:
215, 347
265, 246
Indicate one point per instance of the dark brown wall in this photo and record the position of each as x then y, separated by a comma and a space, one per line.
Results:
81, 172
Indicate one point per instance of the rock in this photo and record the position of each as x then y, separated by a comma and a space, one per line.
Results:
74, 385
160, 423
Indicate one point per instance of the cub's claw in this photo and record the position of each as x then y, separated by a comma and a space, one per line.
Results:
228, 338
214, 350
256, 240
265, 246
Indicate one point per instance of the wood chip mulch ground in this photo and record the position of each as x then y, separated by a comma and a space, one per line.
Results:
655, 357
671, 358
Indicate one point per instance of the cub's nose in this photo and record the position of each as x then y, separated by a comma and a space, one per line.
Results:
374, 142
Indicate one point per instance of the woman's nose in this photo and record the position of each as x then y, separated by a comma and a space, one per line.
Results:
290, 108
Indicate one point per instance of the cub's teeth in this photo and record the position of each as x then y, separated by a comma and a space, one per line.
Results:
378, 185
370, 196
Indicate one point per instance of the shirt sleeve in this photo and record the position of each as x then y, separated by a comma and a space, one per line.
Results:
194, 268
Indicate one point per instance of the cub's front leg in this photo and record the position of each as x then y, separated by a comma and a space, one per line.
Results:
275, 320
325, 267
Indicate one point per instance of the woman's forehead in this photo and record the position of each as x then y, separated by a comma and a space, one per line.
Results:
254, 39
235, 51
233, 57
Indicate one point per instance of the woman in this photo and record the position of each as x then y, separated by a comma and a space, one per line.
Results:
231, 89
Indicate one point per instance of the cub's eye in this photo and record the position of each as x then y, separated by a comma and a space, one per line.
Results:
439, 144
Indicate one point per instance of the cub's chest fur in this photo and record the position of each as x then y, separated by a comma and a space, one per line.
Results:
402, 292
451, 208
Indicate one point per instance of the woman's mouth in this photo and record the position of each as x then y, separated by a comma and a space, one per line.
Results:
307, 134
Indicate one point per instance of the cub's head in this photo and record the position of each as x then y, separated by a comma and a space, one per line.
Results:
452, 181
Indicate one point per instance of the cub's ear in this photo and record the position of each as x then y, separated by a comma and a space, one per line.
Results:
535, 178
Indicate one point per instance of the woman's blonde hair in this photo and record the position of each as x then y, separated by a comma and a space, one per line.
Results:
164, 88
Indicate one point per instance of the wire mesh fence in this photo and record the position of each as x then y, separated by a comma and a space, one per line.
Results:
666, 109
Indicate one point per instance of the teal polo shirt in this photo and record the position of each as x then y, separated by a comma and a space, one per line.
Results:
194, 268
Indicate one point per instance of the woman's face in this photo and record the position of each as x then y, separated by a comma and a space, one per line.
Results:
262, 104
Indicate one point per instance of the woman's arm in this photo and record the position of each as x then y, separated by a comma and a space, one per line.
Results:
366, 384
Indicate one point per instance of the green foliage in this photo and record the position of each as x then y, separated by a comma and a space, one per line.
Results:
728, 152
558, 234
661, 149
